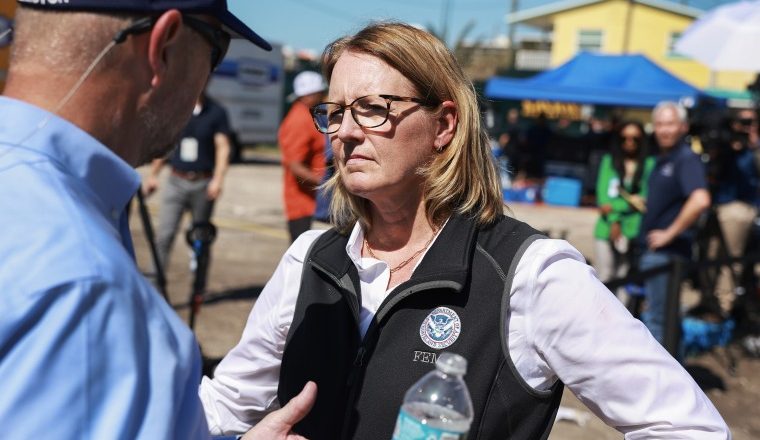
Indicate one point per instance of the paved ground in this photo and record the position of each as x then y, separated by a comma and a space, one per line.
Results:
252, 237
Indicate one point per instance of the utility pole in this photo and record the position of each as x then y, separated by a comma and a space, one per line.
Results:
512, 47
445, 20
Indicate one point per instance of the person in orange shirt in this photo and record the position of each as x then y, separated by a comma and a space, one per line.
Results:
303, 156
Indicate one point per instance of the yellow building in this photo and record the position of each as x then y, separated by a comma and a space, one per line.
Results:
649, 27
7, 8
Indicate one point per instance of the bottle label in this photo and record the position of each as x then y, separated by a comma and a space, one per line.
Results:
409, 428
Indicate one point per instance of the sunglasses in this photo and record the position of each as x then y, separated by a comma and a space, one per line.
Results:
746, 122
216, 37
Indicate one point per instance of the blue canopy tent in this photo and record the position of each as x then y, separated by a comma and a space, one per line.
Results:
615, 80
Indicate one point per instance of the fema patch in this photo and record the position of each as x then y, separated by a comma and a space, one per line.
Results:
440, 328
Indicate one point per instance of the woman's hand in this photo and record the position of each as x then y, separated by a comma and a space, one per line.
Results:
615, 231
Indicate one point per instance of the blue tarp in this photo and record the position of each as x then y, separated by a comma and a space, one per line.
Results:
618, 80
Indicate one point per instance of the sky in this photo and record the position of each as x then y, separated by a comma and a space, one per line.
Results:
312, 24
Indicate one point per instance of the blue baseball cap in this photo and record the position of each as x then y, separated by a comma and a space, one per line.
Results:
213, 8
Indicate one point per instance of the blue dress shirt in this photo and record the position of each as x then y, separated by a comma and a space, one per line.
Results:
88, 349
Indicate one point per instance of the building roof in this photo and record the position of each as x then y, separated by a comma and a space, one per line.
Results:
541, 15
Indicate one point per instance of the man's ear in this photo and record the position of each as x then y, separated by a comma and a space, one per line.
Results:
447, 124
164, 38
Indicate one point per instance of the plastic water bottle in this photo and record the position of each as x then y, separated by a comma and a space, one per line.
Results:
438, 406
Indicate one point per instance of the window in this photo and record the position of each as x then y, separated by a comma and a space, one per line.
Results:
673, 38
590, 40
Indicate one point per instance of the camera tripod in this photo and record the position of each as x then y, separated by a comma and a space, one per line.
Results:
711, 247
199, 237
151, 239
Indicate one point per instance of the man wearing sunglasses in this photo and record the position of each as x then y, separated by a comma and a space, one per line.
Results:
88, 349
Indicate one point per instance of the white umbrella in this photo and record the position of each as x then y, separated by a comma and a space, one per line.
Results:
725, 38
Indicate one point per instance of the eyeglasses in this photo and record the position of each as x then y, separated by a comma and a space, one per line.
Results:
217, 38
368, 111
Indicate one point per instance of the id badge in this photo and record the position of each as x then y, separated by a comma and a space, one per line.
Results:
613, 190
188, 149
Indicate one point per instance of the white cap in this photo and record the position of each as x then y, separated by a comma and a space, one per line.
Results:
306, 83
451, 363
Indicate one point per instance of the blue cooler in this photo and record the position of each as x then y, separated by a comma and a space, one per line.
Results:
562, 191
525, 195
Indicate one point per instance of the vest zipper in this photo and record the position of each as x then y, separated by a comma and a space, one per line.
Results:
358, 362
357, 367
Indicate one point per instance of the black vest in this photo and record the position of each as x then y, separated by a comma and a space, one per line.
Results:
361, 383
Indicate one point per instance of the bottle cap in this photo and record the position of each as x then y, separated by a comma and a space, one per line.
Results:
451, 363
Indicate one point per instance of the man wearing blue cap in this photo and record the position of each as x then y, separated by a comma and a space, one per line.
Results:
88, 349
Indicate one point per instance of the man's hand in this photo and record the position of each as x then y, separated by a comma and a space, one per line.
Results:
605, 209
278, 425
150, 185
658, 238
638, 203
214, 189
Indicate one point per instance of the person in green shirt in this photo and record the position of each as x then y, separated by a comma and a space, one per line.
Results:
621, 192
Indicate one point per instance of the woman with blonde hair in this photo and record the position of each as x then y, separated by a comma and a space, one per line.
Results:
422, 260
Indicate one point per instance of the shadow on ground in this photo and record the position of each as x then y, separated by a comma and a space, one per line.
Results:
246, 292
237, 293
705, 378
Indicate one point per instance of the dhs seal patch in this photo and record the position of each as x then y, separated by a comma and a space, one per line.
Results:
440, 328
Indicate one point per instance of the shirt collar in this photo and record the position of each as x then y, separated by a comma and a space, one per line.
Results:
356, 241
668, 155
76, 152
354, 245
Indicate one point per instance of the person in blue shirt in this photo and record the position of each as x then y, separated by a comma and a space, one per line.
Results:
677, 197
88, 349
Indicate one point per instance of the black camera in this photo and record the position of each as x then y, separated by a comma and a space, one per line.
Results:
723, 134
